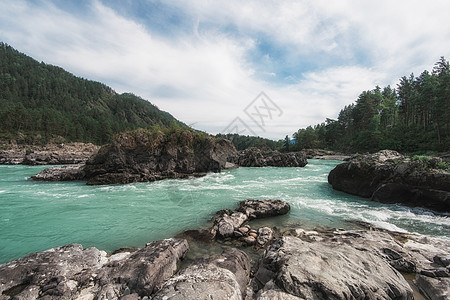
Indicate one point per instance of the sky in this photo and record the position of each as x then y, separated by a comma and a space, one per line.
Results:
252, 67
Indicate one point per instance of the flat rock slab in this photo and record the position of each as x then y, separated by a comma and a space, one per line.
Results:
330, 271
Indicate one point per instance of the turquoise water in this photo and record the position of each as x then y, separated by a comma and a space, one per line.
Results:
35, 216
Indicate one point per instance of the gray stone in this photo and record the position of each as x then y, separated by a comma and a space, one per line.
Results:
434, 288
221, 277
322, 270
227, 224
71, 272
389, 177
265, 235
256, 209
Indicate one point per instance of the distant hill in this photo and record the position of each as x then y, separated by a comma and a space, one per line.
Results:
39, 102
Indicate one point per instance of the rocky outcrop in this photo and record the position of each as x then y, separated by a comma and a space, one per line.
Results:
144, 155
325, 154
220, 277
64, 173
336, 271
390, 177
51, 154
254, 157
230, 224
356, 264
257, 209
71, 272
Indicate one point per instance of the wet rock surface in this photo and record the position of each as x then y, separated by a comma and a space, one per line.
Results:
390, 177
51, 154
254, 157
230, 224
256, 209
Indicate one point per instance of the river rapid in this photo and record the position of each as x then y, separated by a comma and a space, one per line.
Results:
36, 216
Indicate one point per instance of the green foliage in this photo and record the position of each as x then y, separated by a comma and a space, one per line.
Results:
242, 142
40, 99
414, 117
425, 162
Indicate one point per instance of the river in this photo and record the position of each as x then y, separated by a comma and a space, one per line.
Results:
35, 216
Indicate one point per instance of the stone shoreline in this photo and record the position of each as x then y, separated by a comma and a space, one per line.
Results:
289, 263
51, 154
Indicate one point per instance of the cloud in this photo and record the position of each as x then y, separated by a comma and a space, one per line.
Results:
310, 57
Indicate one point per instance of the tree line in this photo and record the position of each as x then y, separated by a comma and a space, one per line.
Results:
413, 117
37, 99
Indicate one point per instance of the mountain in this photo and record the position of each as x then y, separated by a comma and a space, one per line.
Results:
39, 102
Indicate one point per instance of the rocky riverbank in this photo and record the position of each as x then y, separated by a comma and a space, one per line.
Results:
50, 154
295, 264
254, 157
389, 177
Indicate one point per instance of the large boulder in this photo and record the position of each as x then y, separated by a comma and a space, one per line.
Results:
255, 157
390, 177
220, 277
71, 272
355, 264
321, 271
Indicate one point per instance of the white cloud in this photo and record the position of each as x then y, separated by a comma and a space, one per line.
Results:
206, 77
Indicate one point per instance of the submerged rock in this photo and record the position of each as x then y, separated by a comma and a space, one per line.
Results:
389, 177
255, 157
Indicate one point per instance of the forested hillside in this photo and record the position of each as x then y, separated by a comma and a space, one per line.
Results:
413, 117
40, 100
242, 142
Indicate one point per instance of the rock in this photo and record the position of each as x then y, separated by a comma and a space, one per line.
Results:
69, 272
434, 288
70, 153
324, 154
141, 155
64, 173
144, 269
389, 177
220, 277
256, 209
243, 230
249, 240
265, 235
330, 271
255, 157
228, 224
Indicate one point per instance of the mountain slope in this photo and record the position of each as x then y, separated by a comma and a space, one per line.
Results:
44, 101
